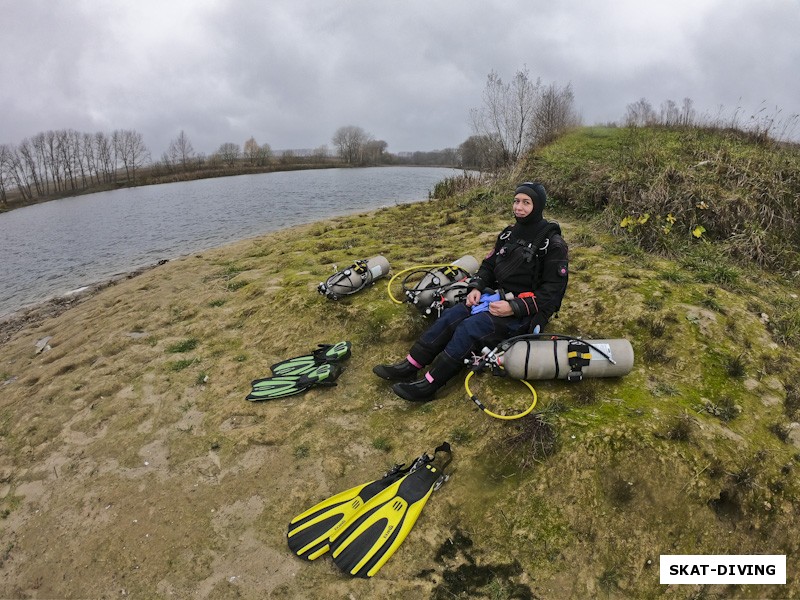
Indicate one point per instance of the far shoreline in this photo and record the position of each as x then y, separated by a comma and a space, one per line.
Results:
13, 204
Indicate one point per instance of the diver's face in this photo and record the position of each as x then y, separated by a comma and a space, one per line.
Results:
523, 205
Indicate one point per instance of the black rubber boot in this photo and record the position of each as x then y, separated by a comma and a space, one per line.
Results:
401, 371
425, 389
416, 391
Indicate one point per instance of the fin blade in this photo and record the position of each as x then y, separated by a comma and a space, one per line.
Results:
295, 366
325, 353
309, 532
384, 522
280, 386
279, 390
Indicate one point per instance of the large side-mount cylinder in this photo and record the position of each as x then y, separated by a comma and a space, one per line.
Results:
550, 358
354, 278
443, 286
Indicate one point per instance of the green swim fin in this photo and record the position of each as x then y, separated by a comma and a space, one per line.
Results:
325, 353
280, 386
310, 531
375, 532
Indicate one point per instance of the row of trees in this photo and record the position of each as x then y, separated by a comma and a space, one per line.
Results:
642, 114
762, 124
180, 155
66, 161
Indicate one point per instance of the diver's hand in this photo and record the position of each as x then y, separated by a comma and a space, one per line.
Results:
473, 298
501, 308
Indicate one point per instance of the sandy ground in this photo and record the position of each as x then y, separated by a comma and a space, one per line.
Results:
131, 470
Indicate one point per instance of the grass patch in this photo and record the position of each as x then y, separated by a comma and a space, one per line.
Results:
232, 286
735, 366
534, 440
180, 365
791, 404
461, 435
183, 346
681, 428
724, 408
382, 444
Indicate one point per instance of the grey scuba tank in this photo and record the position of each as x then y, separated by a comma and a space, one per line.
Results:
442, 287
570, 359
354, 278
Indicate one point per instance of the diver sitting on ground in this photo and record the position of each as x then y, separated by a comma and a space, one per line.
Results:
516, 290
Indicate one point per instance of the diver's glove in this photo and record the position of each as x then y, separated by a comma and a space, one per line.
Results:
483, 305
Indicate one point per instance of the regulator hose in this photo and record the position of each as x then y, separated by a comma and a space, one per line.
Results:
505, 344
493, 414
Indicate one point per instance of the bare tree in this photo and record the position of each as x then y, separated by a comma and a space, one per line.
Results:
669, 113
687, 115
553, 114
39, 144
256, 155
265, 154
374, 151
5, 161
481, 152
180, 151
288, 157
252, 151
104, 157
640, 114
66, 156
89, 159
320, 153
350, 142
30, 168
131, 151
507, 113
229, 153
19, 176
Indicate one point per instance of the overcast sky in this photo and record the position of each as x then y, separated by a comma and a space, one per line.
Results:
290, 72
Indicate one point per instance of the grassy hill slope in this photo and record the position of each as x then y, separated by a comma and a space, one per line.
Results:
131, 465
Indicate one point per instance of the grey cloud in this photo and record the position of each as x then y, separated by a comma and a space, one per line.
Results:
290, 72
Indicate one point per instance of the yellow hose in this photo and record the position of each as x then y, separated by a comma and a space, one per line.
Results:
495, 415
417, 268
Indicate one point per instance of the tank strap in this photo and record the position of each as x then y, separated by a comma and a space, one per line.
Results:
555, 355
527, 355
578, 356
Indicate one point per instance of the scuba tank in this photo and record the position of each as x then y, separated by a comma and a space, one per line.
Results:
553, 356
441, 287
354, 278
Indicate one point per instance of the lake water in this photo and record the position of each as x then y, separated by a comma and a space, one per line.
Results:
50, 249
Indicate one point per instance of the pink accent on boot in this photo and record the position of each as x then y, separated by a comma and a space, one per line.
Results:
428, 377
410, 359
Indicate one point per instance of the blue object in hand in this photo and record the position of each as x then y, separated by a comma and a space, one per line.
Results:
483, 305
